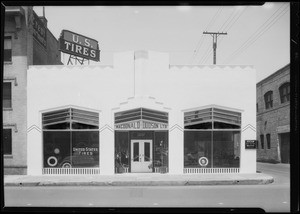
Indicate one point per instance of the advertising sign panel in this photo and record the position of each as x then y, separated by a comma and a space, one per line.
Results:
39, 30
250, 144
79, 45
141, 124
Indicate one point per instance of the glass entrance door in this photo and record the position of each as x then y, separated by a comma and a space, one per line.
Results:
141, 155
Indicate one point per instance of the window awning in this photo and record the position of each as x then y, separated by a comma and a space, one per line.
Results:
70, 115
212, 115
141, 114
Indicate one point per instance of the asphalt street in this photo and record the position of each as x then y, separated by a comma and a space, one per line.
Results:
273, 197
280, 172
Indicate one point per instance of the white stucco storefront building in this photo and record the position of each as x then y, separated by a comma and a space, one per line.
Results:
140, 115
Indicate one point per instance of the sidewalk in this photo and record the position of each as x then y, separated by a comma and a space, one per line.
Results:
138, 179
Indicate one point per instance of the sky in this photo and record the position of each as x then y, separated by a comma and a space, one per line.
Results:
256, 35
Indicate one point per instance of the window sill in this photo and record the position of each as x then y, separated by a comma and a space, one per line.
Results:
8, 156
281, 105
7, 109
7, 63
285, 103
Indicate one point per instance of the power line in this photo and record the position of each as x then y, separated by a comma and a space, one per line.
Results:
261, 33
230, 24
215, 36
206, 54
229, 18
197, 48
201, 39
208, 50
258, 33
220, 10
237, 18
232, 21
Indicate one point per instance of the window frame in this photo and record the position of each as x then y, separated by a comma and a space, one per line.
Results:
11, 133
268, 137
212, 115
72, 112
268, 96
11, 95
284, 92
213, 130
262, 141
5, 50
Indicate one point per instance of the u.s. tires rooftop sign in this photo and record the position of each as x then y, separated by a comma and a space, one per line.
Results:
79, 45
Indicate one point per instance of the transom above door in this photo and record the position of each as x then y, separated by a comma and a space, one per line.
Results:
141, 155
141, 119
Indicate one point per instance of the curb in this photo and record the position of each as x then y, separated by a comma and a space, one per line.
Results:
145, 183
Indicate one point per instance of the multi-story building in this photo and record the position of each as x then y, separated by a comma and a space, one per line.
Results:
273, 117
27, 41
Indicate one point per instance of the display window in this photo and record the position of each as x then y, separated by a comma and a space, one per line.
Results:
197, 144
226, 149
122, 151
70, 139
212, 138
161, 151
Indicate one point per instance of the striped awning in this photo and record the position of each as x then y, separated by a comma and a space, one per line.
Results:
141, 114
70, 115
212, 115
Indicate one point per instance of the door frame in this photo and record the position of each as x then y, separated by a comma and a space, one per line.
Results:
142, 163
284, 143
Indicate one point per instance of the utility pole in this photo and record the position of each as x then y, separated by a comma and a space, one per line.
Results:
215, 36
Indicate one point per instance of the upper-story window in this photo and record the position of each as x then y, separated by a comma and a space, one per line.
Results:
262, 143
269, 99
7, 145
268, 136
7, 49
284, 91
7, 95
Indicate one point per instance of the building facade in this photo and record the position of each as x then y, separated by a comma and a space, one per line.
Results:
140, 115
27, 41
273, 117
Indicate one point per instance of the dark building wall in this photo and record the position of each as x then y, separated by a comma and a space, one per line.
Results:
53, 53
273, 121
39, 54
49, 55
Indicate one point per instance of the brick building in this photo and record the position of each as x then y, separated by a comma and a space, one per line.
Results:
27, 41
273, 117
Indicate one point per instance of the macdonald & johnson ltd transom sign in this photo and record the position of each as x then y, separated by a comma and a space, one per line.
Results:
141, 119
141, 125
